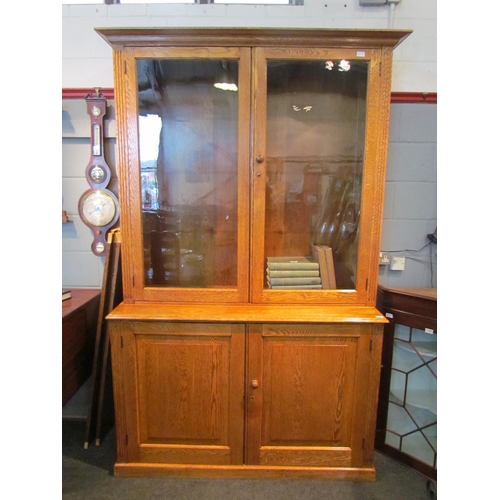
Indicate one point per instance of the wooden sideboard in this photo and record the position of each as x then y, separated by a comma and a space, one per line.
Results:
79, 322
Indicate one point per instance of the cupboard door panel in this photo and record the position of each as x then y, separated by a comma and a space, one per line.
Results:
310, 393
189, 393
296, 373
303, 399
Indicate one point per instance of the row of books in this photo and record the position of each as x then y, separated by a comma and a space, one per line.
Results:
302, 272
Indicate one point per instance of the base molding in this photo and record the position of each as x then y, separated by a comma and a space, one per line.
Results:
244, 472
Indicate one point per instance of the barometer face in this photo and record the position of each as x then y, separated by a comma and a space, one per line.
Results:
98, 208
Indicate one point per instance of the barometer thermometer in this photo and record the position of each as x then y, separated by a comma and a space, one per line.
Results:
98, 207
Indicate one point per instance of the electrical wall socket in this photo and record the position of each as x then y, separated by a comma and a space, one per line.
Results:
384, 259
397, 263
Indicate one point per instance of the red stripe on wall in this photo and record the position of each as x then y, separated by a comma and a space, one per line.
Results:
414, 97
80, 93
399, 97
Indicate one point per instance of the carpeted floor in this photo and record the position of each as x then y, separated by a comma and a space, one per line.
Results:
88, 475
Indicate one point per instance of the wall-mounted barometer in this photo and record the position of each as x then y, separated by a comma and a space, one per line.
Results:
98, 206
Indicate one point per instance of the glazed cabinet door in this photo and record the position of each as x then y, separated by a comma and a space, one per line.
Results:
184, 172
178, 392
318, 171
312, 393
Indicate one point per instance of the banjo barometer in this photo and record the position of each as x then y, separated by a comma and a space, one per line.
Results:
98, 206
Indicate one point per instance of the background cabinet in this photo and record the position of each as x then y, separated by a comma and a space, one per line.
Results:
217, 371
407, 414
79, 322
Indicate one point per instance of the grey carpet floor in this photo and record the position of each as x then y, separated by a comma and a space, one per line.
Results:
88, 474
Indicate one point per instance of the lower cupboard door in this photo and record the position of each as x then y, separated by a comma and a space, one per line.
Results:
189, 381
310, 396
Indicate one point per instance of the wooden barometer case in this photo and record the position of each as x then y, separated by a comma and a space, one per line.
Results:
98, 206
251, 165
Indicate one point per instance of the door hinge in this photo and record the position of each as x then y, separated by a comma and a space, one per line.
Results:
366, 284
133, 281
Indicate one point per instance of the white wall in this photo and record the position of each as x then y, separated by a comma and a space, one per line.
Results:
410, 204
87, 58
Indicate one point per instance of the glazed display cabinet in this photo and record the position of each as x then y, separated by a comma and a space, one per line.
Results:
251, 167
407, 413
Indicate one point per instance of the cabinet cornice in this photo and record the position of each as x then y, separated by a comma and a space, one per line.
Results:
253, 37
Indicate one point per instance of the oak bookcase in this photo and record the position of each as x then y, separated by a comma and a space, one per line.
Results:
216, 372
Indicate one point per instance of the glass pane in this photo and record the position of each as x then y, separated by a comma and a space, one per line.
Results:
420, 415
417, 446
431, 434
433, 367
398, 387
316, 114
398, 420
402, 332
424, 343
392, 440
422, 389
188, 132
404, 357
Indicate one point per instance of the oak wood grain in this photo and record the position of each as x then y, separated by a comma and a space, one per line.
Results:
247, 313
180, 398
246, 472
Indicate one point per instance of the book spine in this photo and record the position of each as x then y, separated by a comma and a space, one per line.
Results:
330, 266
292, 273
283, 266
295, 281
319, 254
296, 287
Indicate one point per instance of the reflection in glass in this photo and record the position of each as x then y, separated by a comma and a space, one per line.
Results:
316, 114
189, 163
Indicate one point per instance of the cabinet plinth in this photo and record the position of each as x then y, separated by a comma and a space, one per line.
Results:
251, 169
